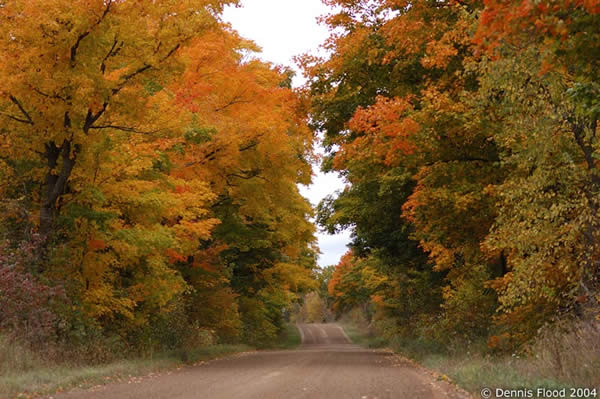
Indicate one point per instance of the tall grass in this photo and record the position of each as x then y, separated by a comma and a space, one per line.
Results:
16, 357
563, 356
24, 373
571, 352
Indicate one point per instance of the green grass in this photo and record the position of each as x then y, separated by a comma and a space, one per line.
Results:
288, 339
361, 336
47, 379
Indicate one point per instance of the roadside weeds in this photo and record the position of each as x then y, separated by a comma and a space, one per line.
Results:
473, 370
45, 379
32, 377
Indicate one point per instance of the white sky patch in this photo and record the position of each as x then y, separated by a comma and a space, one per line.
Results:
282, 28
285, 29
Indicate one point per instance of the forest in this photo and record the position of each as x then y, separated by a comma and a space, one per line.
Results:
467, 132
148, 173
150, 167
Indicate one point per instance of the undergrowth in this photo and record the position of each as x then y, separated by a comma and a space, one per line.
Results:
561, 357
23, 373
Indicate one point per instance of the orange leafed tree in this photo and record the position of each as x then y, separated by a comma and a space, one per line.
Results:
168, 163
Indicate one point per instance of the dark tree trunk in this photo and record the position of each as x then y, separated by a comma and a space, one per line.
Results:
589, 285
501, 265
56, 182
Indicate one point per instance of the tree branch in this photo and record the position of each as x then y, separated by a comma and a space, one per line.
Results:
14, 118
52, 96
128, 77
249, 146
578, 129
83, 35
14, 100
247, 174
142, 69
91, 118
236, 100
463, 159
124, 129
211, 156
114, 50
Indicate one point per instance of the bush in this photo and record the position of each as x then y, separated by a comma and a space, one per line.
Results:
28, 307
260, 328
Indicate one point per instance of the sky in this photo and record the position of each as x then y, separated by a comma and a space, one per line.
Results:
284, 29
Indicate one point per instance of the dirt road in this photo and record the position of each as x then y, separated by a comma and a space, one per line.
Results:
326, 366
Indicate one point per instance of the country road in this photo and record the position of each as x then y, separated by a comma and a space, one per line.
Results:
327, 366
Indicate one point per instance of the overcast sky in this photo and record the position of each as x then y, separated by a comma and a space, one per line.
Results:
284, 29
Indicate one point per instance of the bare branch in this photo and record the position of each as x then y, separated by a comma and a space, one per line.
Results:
247, 174
14, 118
86, 33
170, 53
114, 50
128, 77
124, 129
235, 100
91, 118
14, 100
249, 146
51, 96
211, 156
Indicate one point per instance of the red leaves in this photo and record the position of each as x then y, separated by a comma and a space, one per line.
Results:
387, 130
27, 306
96, 245
175, 256
505, 21
181, 189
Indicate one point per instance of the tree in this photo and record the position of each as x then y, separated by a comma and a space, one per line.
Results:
169, 167
86, 70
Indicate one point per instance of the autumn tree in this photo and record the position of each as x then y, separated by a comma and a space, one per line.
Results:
168, 164
416, 163
466, 131
97, 70
545, 94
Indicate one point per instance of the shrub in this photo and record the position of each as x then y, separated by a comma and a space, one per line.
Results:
28, 307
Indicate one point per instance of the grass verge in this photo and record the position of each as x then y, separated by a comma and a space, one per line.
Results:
288, 339
48, 380
43, 378
36, 377
362, 336
472, 369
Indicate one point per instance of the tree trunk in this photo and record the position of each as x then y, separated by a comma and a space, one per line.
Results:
589, 286
56, 182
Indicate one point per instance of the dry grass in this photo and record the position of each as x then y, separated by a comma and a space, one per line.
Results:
15, 357
570, 352
563, 356
24, 373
